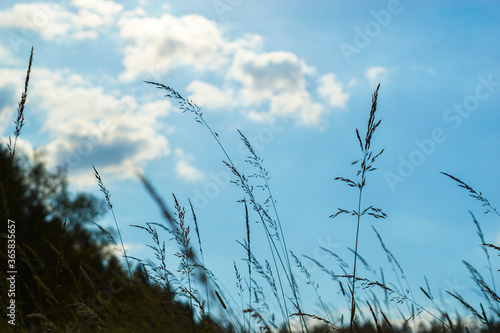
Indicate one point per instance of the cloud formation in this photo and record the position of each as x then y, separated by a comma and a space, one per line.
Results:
184, 169
263, 85
167, 42
78, 20
88, 120
85, 124
376, 74
209, 96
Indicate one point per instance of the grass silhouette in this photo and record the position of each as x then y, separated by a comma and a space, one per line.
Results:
67, 293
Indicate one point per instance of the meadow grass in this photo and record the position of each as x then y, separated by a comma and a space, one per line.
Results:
157, 296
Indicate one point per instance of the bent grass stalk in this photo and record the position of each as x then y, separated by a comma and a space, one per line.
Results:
474, 194
488, 208
189, 106
256, 161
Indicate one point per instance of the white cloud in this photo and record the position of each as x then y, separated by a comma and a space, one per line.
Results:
261, 85
87, 125
209, 96
80, 20
160, 44
332, 90
277, 83
117, 249
8, 59
45, 18
185, 170
299, 105
266, 74
376, 74
6, 117
155, 109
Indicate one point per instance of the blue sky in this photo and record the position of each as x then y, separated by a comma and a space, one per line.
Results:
296, 78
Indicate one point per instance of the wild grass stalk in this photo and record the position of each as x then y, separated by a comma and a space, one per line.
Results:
327, 319
489, 294
398, 297
249, 257
219, 292
19, 122
474, 194
257, 162
107, 197
246, 246
427, 292
487, 254
242, 182
481, 316
182, 237
398, 271
204, 274
189, 260
186, 268
162, 275
239, 283
365, 166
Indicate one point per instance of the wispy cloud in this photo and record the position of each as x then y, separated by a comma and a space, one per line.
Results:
376, 74
331, 89
184, 169
211, 97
